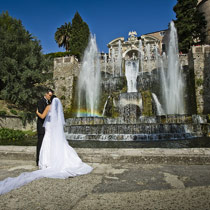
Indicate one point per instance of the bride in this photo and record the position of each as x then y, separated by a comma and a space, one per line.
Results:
57, 159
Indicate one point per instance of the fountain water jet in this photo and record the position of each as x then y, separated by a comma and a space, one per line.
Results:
141, 55
105, 62
173, 85
119, 58
89, 81
113, 61
131, 73
148, 56
158, 105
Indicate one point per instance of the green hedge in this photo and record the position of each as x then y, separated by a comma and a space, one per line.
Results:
63, 54
10, 134
3, 113
13, 111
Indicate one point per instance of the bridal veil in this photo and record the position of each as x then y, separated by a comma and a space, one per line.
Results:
63, 159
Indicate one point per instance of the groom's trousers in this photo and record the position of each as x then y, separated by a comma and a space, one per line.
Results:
38, 147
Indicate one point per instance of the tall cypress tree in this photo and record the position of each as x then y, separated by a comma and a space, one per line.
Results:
79, 35
190, 24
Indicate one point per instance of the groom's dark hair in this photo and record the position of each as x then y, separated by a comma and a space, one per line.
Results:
49, 90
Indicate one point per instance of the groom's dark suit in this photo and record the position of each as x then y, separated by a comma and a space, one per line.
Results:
41, 105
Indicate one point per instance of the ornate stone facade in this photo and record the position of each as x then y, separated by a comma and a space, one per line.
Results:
134, 48
132, 45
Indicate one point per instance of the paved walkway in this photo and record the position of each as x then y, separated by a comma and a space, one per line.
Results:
109, 155
121, 179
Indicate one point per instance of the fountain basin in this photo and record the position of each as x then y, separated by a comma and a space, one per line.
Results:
170, 127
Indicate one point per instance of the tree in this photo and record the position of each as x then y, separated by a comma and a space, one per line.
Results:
79, 35
62, 36
23, 65
190, 24
74, 37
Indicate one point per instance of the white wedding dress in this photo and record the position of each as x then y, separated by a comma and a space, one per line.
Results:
57, 159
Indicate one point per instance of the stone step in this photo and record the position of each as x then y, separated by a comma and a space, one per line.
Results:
122, 155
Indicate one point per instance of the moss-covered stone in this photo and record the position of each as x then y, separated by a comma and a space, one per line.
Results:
111, 110
199, 82
103, 98
147, 103
71, 109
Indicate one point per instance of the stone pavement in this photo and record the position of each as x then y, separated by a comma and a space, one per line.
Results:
122, 179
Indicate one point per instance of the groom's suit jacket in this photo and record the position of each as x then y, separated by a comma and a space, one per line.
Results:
41, 105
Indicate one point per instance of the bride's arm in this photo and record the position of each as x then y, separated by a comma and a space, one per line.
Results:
44, 114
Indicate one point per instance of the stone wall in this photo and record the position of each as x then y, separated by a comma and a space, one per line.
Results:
206, 90
183, 59
14, 122
199, 61
66, 69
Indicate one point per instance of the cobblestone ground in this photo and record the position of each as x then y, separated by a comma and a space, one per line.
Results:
112, 186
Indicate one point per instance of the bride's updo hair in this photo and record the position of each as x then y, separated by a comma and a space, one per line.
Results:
53, 96
56, 103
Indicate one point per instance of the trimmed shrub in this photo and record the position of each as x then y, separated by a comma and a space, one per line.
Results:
63, 54
13, 111
11, 134
3, 113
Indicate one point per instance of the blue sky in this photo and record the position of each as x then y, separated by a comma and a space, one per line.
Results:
107, 19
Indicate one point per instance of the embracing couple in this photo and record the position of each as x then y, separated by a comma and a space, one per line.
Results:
55, 157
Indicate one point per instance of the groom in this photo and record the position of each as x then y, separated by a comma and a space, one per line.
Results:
41, 105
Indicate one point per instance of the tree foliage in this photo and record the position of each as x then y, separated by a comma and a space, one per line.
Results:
80, 34
60, 54
22, 63
190, 24
62, 36
74, 37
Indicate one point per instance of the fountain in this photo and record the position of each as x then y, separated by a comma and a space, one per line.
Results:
119, 58
105, 62
148, 57
131, 73
89, 81
141, 95
141, 55
158, 105
173, 85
